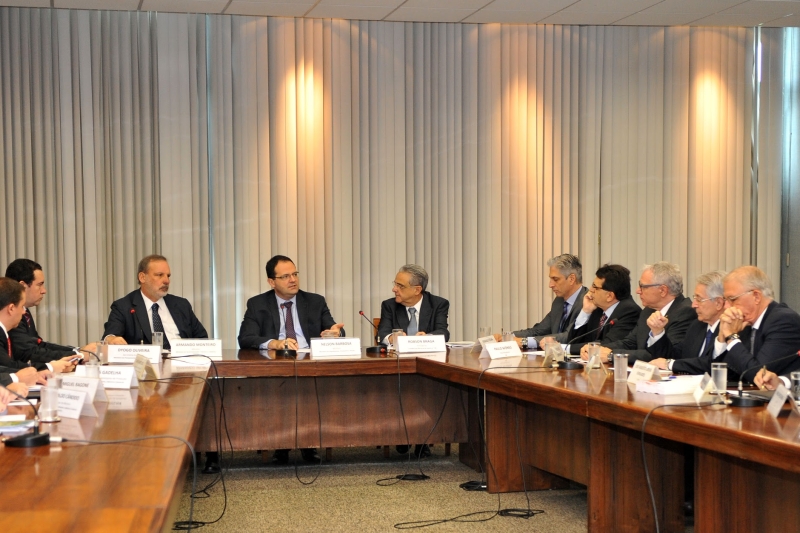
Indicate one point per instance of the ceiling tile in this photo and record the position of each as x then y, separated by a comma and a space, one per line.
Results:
389, 3
185, 6
783, 22
265, 9
706, 7
721, 19
753, 8
617, 6
122, 5
507, 17
471, 5
527, 5
658, 19
585, 19
25, 3
429, 15
350, 12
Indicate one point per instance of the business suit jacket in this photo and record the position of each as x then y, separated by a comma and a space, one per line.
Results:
129, 318
776, 339
681, 314
262, 320
686, 353
624, 317
12, 362
29, 346
548, 327
432, 317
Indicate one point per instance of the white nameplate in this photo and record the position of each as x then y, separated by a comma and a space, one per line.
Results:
782, 394
420, 343
122, 400
211, 348
70, 403
337, 347
118, 377
126, 353
144, 369
704, 390
93, 387
481, 342
501, 350
642, 371
595, 363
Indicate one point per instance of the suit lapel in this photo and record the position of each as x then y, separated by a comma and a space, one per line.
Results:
401, 316
303, 315
425, 312
273, 312
142, 316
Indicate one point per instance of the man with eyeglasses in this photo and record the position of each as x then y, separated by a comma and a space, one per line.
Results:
566, 282
135, 316
608, 312
756, 330
661, 292
286, 317
695, 353
417, 312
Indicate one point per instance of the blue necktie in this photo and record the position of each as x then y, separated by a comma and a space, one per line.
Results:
158, 327
413, 328
709, 336
564, 315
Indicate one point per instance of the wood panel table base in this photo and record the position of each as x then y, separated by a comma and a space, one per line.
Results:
734, 495
353, 410
618, 498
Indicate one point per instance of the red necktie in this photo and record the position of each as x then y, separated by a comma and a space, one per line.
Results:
28, 318
8, 341
602, 323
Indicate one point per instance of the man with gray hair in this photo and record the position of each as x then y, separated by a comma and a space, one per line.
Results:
417, 312
695, 353
661, 292
566, 282
756, 330
413, 309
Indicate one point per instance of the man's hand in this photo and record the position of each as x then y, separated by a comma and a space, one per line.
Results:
766, 379
29, 376
64, 365
660, 363
113, 339
19, 388
657, 322
732, 321
335, 329
91, 347
588, 303
290, 344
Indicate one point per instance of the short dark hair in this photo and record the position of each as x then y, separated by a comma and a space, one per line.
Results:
616, 279
144, 264
22, 270
11, 292
273, 262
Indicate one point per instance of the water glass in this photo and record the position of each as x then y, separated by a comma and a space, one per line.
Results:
48, 410
620, 367
719, 373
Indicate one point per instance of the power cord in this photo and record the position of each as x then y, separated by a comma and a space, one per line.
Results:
296, 424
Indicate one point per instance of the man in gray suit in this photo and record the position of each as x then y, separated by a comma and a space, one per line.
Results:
566, 282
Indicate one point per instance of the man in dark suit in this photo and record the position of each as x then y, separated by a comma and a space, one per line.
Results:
417, 312
608, 312
566, 282
135, 316
755, 330
661, 292
694, 354
286, 317
12, 298
28, 345
413, 309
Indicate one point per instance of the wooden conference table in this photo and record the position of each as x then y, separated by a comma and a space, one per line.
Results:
568, 425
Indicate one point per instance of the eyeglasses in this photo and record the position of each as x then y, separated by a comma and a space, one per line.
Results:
642, 287
596, 288
696, 299
732, 299
287, 277
401, 286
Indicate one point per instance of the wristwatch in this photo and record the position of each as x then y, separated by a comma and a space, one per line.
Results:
524, 343
732, 337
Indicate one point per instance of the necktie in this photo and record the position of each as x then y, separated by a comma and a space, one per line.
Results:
8, 342
290, 332
707, 344
158, 327
600, 329
753, 333
413, 328
564, 315
28, 318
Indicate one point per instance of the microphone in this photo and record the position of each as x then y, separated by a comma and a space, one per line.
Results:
91, 353
741, 401
573, 365
28, 440
609, 323
136, 321
373, 349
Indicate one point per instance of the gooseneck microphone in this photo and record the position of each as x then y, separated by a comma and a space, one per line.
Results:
744, 401
136, 321
377, 348
609, 324
28, 440
572, 365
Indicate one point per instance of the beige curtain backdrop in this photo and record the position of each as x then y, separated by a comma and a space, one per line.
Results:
477, 151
